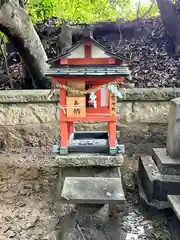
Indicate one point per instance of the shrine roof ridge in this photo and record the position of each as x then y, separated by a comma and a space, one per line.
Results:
98, 44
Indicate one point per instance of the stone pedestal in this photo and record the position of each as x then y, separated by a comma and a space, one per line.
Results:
93, 184
173, 139
159, 174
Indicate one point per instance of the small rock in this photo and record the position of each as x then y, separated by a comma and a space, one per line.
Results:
6, 229
32, 222
108, 194
28, 186
11, 234
37, 188
23, 192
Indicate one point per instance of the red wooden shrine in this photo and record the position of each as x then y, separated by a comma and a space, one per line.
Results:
86, 66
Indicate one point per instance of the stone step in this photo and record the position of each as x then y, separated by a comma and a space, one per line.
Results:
93, 190
89, 160
153, 203
165, 163
156, 185
175, 202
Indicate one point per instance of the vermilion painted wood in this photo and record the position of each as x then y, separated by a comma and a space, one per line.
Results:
63, 125
88, 61
87, 47
63, 61
99, 114
90, 118
111, 60
112, 134
100, 110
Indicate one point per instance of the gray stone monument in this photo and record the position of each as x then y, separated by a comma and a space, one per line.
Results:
159, 174
173, 139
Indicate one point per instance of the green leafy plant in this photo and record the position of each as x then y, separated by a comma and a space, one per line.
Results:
86, 11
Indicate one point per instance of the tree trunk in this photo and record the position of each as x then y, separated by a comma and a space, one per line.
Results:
66, 35
15, 23
171, 20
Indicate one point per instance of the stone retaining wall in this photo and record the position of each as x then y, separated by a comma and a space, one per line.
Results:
27, 118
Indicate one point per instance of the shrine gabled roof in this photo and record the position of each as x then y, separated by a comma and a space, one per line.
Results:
96, 43
89, 70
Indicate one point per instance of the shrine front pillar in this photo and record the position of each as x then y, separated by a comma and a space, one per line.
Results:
112, 137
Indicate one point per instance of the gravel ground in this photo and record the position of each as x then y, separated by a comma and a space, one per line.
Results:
28, 208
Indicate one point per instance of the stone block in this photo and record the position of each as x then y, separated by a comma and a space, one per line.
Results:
175, 202
20, 114
2, 114
150, 112
29, 113
149, 176
89, 160
173, 138
156, 185
152, 203
124, 110
100, 172
90, 190
165, 163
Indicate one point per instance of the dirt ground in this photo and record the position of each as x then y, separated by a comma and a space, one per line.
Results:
28, 209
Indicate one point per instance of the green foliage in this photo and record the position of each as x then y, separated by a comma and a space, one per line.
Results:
41, 9
86, 11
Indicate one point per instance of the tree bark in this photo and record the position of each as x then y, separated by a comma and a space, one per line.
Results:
66, 35
15, 23
171, 20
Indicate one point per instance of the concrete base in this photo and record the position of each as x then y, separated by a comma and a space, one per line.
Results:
156, 185
165, 163
89, 160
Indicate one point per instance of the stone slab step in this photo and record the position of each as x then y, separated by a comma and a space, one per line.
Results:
165, 163
156, 185
89, 160
153, 203
93, 190
175, 202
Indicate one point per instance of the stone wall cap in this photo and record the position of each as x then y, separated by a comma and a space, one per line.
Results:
136, 94
176, 101
150, 94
